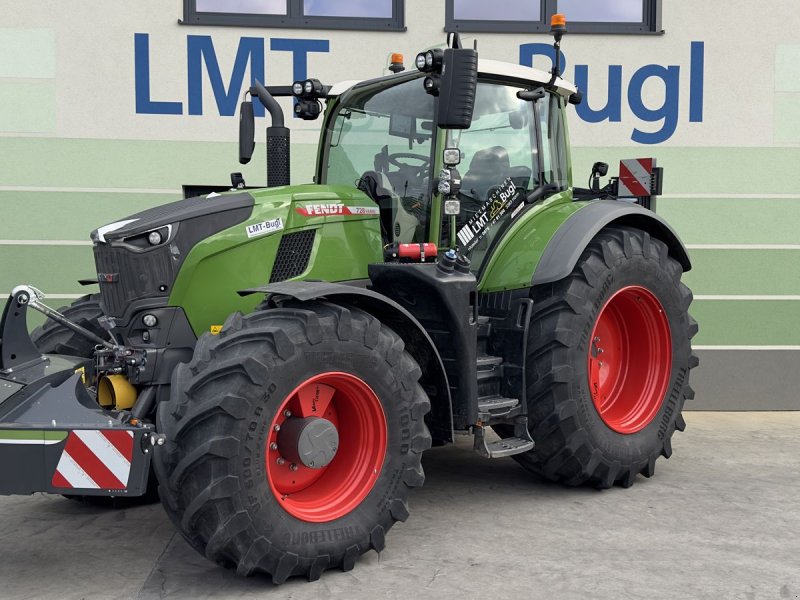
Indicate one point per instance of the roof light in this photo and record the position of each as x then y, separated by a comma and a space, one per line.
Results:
297, 88
558, 20
420, 62
396, 63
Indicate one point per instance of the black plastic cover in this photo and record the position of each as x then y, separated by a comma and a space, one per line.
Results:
247, 132
458, 88
174, 212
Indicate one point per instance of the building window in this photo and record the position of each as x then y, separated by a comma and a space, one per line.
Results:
375, 15
533, 16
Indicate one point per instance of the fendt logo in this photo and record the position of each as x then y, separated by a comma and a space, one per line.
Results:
325, 210
321, 210
202, 64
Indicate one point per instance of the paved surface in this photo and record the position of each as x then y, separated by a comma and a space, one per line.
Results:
720, 520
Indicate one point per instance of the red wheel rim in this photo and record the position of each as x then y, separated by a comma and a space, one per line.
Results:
327, 493
630, 359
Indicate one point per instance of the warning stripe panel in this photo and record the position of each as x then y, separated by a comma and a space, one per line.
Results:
105, 453
73, 474
59, 481
121, 440
94, 459
634, 177
91, 464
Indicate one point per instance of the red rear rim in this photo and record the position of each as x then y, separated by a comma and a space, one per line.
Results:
630, 359
323, 494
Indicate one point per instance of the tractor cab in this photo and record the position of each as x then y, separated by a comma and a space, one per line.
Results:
383, 137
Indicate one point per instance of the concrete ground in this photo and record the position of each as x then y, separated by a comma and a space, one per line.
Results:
720, 520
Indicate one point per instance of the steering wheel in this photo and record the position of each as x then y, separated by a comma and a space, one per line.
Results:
423, 160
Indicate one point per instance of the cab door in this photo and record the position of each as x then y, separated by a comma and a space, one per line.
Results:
513, 147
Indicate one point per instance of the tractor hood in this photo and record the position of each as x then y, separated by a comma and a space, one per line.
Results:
139, 257
169, 215
197, 253
293, 232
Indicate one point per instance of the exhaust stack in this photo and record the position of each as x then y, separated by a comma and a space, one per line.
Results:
278, 136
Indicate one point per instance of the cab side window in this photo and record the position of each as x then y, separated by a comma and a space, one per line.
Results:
554, 141
501, 143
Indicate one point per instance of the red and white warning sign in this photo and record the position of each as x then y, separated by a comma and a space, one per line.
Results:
98, 459
635, 177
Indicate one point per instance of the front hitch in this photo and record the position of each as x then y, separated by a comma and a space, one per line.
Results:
54, 437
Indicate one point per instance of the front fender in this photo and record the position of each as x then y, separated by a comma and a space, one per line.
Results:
418, 343
570, 240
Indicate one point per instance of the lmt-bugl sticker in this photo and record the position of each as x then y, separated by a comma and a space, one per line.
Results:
501, 200
264, 227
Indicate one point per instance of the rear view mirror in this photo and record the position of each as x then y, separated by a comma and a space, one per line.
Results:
453, 79
247, 132
457, 89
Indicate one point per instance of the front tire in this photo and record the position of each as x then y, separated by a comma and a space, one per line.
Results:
609, 356
226, 476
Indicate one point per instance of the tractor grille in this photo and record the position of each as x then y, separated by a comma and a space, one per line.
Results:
134, 275
294, 253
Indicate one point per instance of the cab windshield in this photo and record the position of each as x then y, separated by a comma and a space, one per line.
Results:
380, 141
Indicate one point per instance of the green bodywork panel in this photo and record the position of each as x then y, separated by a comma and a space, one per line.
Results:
33, 436
224, 263
514, 260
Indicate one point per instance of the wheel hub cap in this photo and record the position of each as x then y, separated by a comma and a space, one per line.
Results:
312, 441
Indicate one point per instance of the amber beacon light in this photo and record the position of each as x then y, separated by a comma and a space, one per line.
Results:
558, 22
396, 63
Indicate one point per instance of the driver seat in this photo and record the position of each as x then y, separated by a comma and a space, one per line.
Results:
378, 187
488, 168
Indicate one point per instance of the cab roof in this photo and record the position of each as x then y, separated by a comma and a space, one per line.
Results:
486, 67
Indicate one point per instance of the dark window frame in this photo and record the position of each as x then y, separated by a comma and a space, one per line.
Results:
295, 19
650, 24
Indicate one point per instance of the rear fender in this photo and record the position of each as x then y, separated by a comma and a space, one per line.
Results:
418, 342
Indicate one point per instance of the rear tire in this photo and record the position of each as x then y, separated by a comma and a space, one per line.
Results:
602, 423
220, 480
54, 338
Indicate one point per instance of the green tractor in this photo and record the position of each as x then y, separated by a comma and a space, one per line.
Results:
281, 358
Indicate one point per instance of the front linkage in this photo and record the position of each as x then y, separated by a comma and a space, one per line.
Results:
54, 437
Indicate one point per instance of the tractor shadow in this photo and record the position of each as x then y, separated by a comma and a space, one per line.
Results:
460, 487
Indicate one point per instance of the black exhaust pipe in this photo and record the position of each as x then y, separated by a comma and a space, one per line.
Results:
278, 139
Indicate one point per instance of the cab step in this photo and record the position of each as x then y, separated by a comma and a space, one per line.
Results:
517, 444
496, 407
